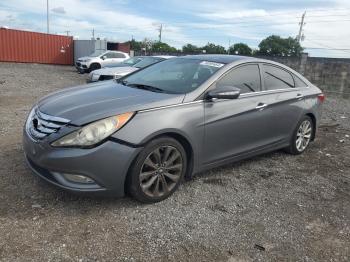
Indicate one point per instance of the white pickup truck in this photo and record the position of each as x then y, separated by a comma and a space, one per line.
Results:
99, 59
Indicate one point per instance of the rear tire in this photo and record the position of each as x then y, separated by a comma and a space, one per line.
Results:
157, 171
301, 137
94, 66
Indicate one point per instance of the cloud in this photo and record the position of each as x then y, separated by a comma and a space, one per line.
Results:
59, 10
197, 21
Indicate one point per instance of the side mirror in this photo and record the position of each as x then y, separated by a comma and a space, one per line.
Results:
103, 57
224, 92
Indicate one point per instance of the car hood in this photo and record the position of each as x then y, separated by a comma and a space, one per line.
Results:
85, 58
115, 70
87, 103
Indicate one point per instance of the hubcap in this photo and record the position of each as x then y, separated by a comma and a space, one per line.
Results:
161, 171
303, 135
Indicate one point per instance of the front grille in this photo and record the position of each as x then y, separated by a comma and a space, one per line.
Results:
40, 125
105, 77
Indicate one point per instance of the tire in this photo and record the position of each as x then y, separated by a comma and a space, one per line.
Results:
301, 137
157, 171
94, 66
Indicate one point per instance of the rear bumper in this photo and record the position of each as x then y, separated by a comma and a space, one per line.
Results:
107, 164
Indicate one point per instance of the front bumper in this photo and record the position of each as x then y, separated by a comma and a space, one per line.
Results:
93, 78
107, 164
82, 67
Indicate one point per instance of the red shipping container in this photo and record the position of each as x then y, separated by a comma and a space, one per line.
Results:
32, 47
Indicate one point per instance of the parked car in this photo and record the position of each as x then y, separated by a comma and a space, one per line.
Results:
142, 134
109, 73
99, 59
128, 62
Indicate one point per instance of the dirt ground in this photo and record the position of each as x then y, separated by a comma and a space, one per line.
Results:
275, 207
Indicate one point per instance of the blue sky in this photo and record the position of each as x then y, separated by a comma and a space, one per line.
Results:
197, 21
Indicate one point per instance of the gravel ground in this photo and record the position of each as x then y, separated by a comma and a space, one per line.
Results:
275, 207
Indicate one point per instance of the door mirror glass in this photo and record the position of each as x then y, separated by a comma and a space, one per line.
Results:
224, 92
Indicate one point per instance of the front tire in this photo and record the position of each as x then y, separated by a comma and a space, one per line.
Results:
302, 136
157, 171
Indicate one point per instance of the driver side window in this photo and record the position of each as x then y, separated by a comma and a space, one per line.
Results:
246, 78
109, 55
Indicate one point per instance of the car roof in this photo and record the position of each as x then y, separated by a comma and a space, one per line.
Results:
115, 51
164, 56
225, 59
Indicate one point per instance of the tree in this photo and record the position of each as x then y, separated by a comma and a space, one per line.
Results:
277, 46
190, 49
162, 47
135, 45
240, 49
211, 48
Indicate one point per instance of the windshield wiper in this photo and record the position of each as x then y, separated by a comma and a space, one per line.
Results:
145, 87
123, 82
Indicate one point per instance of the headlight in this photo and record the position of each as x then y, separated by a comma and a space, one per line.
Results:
95, 132
30, 117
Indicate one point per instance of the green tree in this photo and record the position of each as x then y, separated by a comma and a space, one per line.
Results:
189, 48
211, 48
277, 46
162, 47
135, 45
240, 49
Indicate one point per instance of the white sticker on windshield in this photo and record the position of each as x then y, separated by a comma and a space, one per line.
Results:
213, 64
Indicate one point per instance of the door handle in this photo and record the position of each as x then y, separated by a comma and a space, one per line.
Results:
300, 96
261, 106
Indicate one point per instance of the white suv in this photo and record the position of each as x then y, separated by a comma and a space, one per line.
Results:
99, 59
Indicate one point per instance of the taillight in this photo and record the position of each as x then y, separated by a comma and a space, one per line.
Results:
321, 97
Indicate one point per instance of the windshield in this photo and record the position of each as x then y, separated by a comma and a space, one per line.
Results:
97, 53
132, 60
176, 76
148, 61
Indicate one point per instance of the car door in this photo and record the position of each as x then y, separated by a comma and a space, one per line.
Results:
284, 102
107, 59
237, 126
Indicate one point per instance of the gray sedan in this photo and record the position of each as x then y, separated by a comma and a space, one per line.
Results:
144, 133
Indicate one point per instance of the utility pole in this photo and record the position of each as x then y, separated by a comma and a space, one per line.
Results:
47, 16
160, 32
67, 32
93, 33
229, 45
299, 37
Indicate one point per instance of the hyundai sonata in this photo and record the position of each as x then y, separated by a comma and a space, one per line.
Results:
144, 133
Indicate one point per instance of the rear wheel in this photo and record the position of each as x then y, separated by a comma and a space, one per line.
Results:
302, 136
158, 170
94, 66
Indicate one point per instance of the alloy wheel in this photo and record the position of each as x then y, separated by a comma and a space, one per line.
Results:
303, 135
161, 171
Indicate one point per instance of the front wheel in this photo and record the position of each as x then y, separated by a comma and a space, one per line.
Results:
302, 136
157, 171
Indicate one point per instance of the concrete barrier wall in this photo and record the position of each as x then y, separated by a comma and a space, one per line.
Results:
330, 74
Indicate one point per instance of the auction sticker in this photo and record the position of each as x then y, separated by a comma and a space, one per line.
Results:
213, 64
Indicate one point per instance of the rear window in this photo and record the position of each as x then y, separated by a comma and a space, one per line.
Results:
276, 78
298, 82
